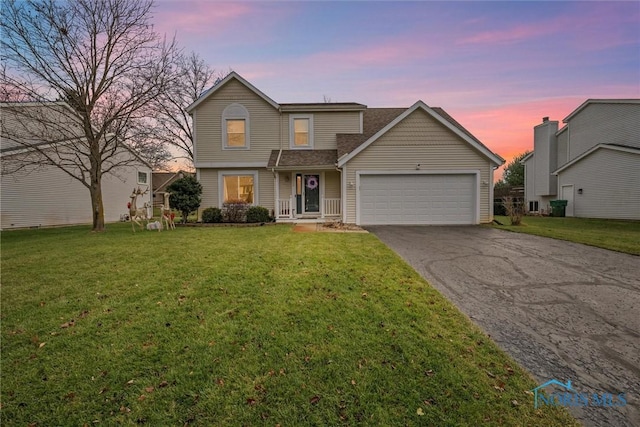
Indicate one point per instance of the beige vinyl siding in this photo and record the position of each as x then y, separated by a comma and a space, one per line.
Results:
264, 124
420, 139
208, 177
610, 183
325, 127
267, 189
286, 184
50, 197
332, 185
604, 124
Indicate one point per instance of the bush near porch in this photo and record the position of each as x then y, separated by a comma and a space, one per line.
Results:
249, 326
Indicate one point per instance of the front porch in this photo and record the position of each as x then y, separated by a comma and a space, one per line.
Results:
330, 209
308, 196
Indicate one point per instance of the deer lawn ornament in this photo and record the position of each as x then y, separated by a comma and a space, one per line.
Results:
166, 214
137, 215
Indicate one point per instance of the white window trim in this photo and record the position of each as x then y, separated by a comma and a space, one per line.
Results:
292, 144
138, 177
230, 114
256, 186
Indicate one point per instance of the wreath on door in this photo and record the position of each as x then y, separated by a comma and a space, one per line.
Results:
312, 182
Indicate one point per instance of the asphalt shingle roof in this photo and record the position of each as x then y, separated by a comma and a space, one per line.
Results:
301, 158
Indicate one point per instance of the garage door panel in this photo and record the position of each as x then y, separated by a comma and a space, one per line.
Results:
417, 199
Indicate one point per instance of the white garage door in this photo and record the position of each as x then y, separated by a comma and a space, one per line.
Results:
417, 199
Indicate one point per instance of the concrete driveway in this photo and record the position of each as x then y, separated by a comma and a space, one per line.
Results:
563, 310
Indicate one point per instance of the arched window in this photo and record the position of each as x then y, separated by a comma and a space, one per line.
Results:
235, 128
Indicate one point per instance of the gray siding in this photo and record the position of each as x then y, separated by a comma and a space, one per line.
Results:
610, 181
604, 124
419, 139
544, 145
50, 197
563, 148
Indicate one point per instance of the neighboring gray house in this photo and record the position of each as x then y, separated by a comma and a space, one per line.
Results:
46, 195
593, 162
344, 161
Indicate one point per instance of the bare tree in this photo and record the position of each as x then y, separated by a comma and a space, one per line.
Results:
171, 123
100, 57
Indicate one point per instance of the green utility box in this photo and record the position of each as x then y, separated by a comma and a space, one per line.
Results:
558, 207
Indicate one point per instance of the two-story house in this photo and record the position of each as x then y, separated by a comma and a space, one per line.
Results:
593, 162
360, 165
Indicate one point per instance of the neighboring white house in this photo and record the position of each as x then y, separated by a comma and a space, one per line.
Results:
344, 161
46, 195
593, 162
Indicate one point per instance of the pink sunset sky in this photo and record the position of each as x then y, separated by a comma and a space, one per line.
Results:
496, 67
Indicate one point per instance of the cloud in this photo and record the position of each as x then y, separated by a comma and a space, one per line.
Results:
199, 17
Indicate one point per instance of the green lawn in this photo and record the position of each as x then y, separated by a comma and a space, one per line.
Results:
621, 236
240, 326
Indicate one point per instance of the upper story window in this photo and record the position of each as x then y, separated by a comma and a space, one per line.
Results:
300, 131
236, 136
235, 127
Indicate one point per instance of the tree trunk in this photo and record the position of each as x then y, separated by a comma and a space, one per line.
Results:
96, 204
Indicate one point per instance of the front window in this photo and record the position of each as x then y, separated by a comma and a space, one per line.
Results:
236, 133
301, 131
238, 187
236, 128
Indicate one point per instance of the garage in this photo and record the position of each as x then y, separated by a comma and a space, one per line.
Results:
417, 198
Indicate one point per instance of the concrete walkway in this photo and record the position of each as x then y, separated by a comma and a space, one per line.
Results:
563, 310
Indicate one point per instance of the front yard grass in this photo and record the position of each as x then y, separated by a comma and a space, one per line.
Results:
240, 326
616, 235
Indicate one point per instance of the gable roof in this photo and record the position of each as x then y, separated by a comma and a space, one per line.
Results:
53, 124
322, 106
373, 119
440, 115
161, 180
599, 101
27, 125
527, 157
218, 85
615, 147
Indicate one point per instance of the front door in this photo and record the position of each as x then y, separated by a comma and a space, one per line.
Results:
311, 193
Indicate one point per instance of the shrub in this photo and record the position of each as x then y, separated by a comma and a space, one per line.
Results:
212, 215
514, 208
258, 214
186, 194
234, 210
